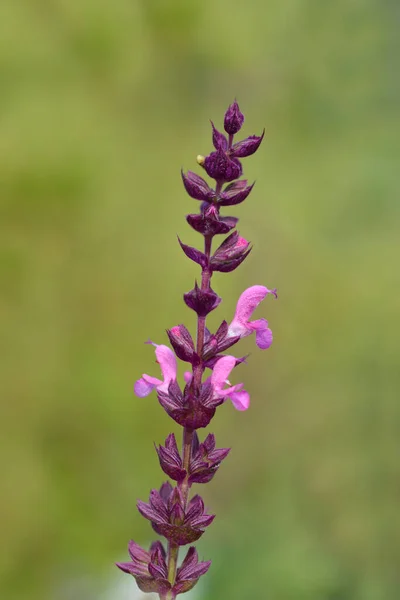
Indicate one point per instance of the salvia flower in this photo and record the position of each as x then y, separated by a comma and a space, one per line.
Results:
219, 378
241, 325
173, 511
167, 361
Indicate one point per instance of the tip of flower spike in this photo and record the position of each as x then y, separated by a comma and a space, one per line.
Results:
200, 159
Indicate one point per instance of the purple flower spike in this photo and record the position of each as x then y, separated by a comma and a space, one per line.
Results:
234, 119
174, 511
247, 303
167, 361
222, 368
248, 146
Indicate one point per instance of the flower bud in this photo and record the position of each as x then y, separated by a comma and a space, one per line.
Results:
233, 120
189, 572
209, 225
170, 459
196, 187
235, 193
247, 147
221, 167
182, 343
205, 459
230, 254
202, 302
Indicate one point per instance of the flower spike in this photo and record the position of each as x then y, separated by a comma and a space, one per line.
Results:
173, 511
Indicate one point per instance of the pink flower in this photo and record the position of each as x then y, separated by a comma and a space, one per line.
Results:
219, 378
242, 326
167, 361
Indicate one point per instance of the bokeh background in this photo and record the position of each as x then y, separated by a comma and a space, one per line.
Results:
101, 104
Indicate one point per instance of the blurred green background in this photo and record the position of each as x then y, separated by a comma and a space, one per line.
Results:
101, 104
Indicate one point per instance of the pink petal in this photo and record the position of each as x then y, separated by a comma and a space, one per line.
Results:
167, 361
264, 339
221, 371
230, 390
263, 333
240, 400
249, 301
154, 381
143, 388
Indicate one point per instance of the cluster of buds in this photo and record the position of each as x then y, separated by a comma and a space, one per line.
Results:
172, 513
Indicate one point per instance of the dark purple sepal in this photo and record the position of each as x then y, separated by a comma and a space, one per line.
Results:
218, 343
219, 140
196, 255
196, 187
247, 147
235, 193
232, 248
205, 459
233, 119
182, 343
208, 225
231, 265
148, 568
171, 519
187, 409
221, 167
202, 302
231, 253
189, 572
170, 459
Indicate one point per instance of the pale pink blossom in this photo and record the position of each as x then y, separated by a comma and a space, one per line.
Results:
219, 378
242, 326
167, 361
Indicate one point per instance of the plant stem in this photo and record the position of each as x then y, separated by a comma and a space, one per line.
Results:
173, 549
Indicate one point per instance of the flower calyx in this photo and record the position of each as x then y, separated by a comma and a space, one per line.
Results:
170, 517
